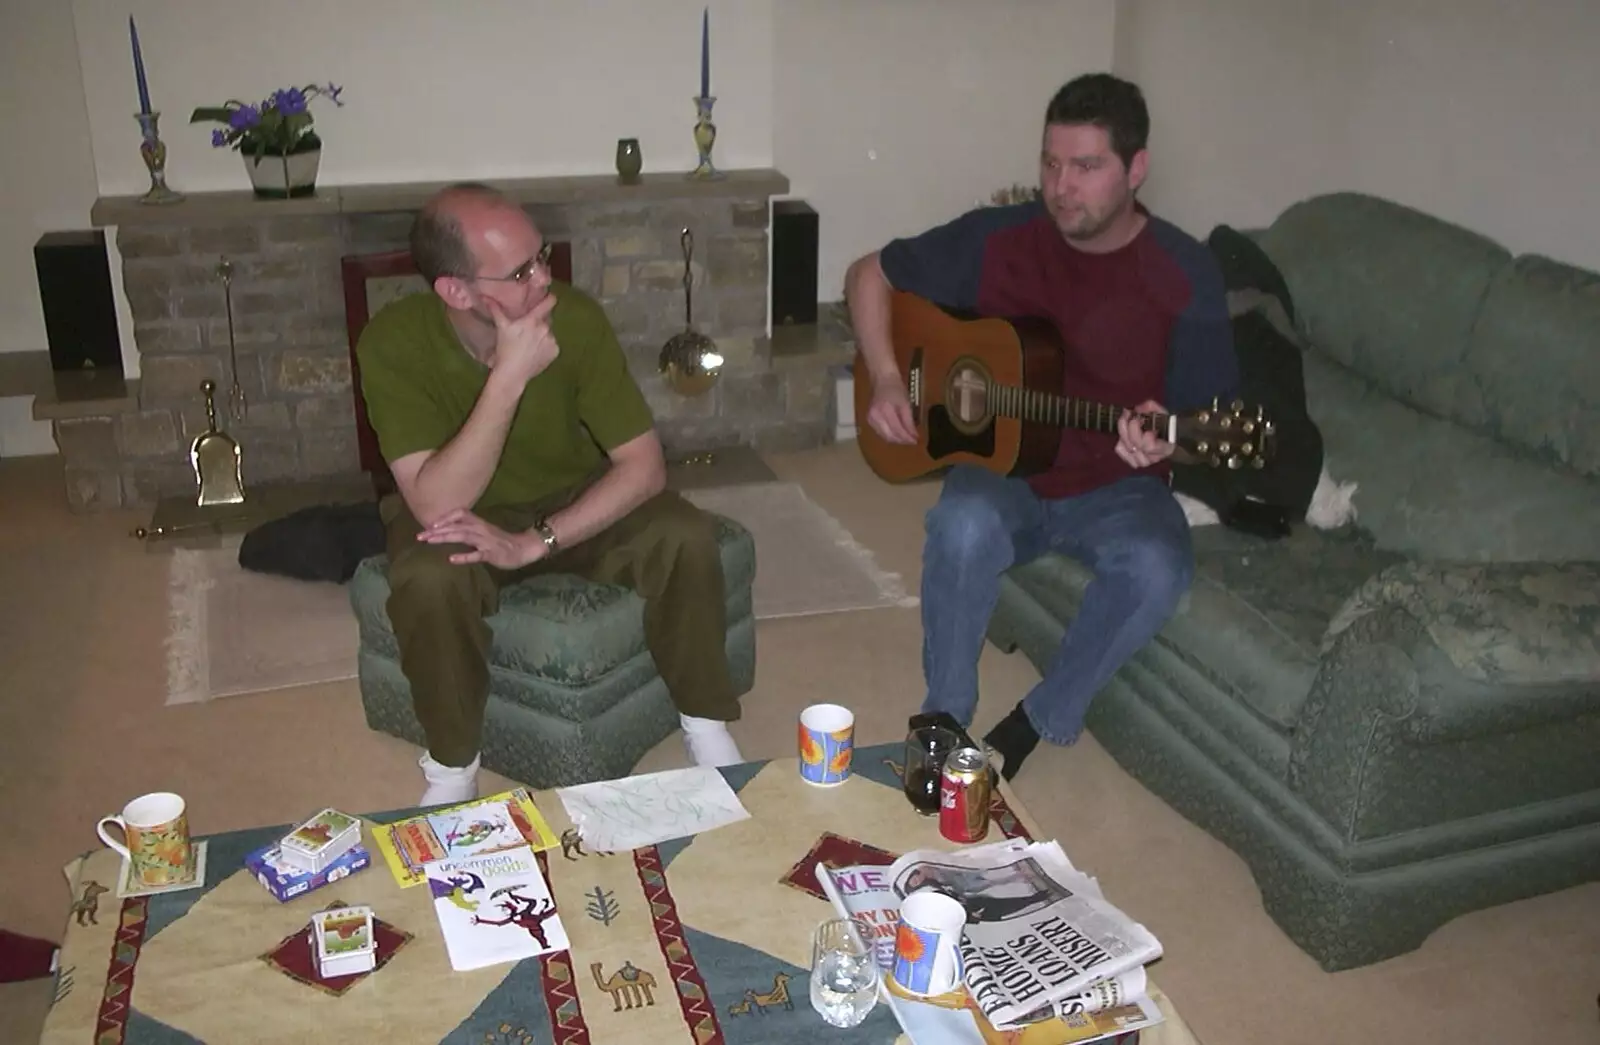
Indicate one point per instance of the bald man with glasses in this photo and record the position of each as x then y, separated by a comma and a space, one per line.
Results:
520, 444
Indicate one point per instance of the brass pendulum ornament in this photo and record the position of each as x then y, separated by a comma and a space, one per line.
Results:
690, 362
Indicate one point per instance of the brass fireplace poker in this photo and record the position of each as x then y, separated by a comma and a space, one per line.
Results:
690, 362
236, 403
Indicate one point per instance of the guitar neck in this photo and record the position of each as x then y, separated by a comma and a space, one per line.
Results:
1025, 404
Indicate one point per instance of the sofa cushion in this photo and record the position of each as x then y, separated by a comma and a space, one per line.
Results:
1534, 362
1438, 491
1388, 291
1255, 616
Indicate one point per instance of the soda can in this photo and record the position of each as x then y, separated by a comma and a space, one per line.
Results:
964, 796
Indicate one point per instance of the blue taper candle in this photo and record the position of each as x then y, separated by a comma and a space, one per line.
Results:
138, 68
705, 53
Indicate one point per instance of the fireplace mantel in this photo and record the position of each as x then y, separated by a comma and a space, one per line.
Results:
281, 331
376, 198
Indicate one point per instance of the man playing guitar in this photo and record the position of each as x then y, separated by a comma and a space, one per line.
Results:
1140, 307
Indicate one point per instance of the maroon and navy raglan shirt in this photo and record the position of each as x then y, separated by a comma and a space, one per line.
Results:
1146, 322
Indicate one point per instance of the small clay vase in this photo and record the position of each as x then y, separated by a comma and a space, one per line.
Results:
629, 160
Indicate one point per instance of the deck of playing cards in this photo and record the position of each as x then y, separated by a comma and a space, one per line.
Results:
342, 942
320, 841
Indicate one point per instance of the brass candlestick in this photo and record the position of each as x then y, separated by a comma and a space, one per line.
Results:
705, 136
154, 153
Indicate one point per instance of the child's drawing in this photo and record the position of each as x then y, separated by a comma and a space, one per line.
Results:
618, 815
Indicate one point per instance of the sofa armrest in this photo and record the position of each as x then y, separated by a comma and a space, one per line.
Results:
1501, 624
1450, 689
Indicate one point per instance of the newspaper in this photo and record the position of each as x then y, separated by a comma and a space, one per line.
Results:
1041, 940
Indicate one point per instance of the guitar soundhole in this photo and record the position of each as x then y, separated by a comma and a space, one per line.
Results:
966, 396
946, 439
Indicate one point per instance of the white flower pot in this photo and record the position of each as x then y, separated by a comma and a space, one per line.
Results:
283, 177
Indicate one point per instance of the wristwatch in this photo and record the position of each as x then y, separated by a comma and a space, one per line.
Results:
542, 528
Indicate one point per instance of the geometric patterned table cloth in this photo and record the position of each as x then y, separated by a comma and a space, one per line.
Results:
698, 941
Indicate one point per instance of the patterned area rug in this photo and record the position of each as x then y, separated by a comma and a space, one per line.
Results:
233, 632
696, 941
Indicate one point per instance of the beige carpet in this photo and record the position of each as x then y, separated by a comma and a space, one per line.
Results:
806, 562
234, 632
83, 729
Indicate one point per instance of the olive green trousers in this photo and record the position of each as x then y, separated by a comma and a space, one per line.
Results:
665, 550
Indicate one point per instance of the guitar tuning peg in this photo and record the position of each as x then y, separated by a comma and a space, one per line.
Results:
1214, 461
1224, 448
1234, 463
1238, 406
1257, 463
1216, 403
1245, 448
1202, 447
1261, 412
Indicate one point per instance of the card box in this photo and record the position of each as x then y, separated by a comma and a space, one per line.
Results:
321, 840
343, 942
286, 881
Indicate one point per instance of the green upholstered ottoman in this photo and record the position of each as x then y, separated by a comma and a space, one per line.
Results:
574, 695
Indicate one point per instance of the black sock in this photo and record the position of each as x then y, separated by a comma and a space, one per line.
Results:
1015, 738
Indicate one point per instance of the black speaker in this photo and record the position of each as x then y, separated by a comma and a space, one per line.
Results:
794, 263
80, 315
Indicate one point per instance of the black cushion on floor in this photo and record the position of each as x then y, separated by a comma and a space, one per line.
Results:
325, 542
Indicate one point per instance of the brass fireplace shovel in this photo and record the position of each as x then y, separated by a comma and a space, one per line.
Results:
216, 458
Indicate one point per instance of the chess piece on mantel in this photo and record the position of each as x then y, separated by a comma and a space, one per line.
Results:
690, 362
216, 459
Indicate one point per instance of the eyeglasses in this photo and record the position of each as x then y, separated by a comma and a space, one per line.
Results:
524, 272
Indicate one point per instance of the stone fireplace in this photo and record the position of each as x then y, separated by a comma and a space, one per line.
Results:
129, 446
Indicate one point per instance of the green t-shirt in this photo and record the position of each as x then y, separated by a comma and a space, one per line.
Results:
420, 385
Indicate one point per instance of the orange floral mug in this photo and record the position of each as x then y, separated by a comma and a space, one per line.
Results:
155, 830
827, 743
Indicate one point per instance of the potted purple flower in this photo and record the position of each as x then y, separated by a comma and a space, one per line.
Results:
281, 151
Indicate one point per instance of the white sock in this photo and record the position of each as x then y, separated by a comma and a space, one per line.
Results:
448, 785
709, 742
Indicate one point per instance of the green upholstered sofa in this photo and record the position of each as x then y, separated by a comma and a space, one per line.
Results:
574, 695
1397, 721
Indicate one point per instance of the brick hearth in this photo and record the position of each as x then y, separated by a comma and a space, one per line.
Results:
131, 449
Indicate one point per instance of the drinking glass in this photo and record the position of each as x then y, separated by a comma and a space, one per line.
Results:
926, 749
844, 972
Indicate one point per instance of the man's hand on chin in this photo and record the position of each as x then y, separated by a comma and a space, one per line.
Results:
488, 543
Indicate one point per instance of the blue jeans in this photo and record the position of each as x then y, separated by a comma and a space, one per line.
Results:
1132, 535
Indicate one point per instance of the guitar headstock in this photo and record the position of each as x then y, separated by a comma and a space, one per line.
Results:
1232, 435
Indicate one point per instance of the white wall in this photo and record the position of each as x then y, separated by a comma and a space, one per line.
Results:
490, 88
890, 116
1481, 112
48, 174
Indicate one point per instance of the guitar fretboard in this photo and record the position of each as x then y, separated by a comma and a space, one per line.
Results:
1062, 411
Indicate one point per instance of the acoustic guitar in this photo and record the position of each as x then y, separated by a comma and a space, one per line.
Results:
989, 392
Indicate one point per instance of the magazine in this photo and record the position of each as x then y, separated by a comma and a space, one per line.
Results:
494, 908
502, 822
1042, 944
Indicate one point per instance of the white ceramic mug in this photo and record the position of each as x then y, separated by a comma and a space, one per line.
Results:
155, 831
927, 943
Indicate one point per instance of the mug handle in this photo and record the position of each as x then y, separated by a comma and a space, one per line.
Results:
948, 962
100, 829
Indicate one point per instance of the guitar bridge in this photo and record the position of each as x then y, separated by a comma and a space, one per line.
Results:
914, 385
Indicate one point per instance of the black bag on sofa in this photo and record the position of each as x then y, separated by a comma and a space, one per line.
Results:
325, 542
1270, 376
